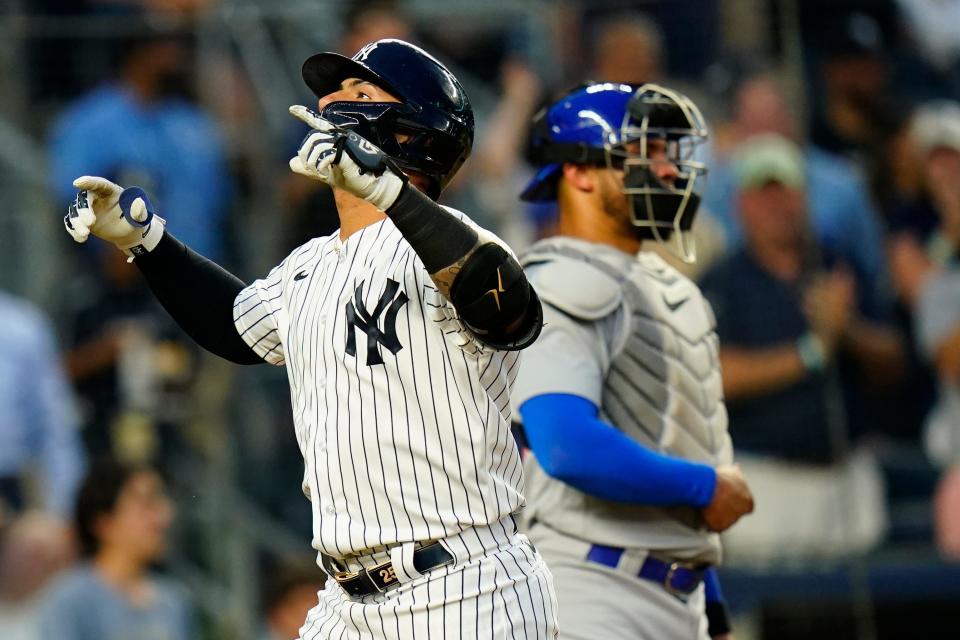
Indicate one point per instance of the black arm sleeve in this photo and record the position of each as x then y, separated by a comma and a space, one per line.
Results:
490, 292
199, 295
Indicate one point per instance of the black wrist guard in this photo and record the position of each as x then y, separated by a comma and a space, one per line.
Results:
438, 237
718, 620
492, 294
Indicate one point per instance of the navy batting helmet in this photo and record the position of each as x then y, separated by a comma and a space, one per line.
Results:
609, 124
434, 116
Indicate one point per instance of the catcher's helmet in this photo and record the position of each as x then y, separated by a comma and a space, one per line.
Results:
434, 112
609, 124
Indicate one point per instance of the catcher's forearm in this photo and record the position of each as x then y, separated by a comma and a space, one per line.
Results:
485, 283
199, 295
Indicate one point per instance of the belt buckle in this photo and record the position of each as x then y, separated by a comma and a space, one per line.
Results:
340, 576
668, 580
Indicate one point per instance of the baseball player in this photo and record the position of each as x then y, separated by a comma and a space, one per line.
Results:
621, 400
400, 335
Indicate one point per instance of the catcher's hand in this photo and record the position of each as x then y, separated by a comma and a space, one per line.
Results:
342, 159
732, 499
123, 217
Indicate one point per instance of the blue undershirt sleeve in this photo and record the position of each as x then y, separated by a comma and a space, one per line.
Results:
574, 446
711, 586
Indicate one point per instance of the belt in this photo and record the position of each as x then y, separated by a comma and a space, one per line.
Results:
676, 577
371, 580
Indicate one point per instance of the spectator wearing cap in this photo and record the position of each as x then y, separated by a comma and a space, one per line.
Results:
928, 275
928, 278
798, 338
934, 130
841, 214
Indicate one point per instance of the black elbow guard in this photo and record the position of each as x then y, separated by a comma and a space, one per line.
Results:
495, 299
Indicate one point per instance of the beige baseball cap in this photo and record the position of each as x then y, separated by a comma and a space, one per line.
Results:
936, 124
768, 158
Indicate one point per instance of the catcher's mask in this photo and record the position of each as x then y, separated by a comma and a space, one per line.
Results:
612, 125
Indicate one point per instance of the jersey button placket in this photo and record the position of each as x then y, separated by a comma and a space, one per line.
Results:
322, 379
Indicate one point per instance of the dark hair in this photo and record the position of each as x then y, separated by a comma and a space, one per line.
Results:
283, 579
98, 496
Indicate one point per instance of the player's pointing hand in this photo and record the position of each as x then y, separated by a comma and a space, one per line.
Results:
121, 216
344, 160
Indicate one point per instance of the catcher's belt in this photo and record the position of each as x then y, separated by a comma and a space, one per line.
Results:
379, 578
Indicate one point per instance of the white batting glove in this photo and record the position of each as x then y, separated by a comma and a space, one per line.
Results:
97, 210
344, 160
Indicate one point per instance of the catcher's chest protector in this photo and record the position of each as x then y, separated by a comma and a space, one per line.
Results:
663, 387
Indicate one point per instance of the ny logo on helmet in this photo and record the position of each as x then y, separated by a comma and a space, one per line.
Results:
358, 318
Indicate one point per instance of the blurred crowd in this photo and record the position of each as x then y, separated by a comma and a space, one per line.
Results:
828, 241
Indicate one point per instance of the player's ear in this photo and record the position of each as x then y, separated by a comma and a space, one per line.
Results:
579, 176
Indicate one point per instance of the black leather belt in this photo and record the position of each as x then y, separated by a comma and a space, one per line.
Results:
371, 580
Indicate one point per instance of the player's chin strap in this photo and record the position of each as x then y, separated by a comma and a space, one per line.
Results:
484, 282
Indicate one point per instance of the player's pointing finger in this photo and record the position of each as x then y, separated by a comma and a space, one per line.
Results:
96, 185
311, 118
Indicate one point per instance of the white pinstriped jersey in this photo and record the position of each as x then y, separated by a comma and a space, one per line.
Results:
402, 417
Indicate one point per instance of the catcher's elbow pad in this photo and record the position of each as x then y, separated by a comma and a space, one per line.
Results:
495, 299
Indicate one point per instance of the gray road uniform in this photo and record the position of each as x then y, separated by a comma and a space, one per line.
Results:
636, 338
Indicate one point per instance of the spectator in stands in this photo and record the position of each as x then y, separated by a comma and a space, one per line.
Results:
131, 365
928, 277
288, 596
854, 70
38, 429
628, 48
33, 549
933, 26
946, 515
149, 133
800, 337
841, 213
122, 521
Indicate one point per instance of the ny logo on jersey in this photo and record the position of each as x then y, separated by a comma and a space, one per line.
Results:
358, 318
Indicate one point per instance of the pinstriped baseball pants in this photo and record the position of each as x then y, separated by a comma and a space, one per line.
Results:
497, 588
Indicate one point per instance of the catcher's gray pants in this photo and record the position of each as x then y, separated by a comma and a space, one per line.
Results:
498, 589
599, 602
